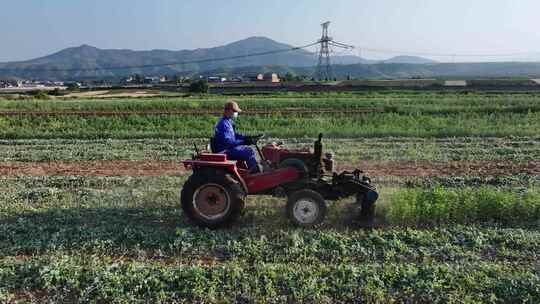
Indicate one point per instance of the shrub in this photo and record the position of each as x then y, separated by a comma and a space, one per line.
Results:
200, 86
440, 205
39, 94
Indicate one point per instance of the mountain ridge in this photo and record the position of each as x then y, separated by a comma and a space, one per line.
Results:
87, 62
91, 59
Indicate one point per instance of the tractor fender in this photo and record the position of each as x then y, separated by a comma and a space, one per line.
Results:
296, 163
227, 166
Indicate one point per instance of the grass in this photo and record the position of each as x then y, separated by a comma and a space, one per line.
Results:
440, 205
402, 102
91, 279
125, 240
282, 126
428, 115
516, 149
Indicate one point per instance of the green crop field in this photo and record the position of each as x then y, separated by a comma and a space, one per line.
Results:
90, 207
432, 115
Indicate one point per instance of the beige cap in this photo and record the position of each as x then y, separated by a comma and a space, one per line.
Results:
232, 105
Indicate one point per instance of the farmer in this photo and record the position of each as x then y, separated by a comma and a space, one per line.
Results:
235, 145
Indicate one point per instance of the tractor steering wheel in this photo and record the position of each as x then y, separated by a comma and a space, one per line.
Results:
252, 140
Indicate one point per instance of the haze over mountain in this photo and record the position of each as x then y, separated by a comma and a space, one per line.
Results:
64, 64
408, 59
86, 61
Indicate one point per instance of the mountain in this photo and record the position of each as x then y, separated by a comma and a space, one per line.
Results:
405, 70
409, 59
91, 59
67, 63
85, 61
351, 60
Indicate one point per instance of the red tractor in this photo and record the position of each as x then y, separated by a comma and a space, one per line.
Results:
214, 194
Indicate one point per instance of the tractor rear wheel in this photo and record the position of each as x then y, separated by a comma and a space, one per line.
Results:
212, 198
306, 208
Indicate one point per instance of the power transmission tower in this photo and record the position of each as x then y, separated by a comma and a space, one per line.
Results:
324, 66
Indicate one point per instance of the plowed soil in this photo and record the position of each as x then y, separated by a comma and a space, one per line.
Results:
168, 168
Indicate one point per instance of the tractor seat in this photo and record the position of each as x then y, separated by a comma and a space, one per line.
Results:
213, 147
240, 163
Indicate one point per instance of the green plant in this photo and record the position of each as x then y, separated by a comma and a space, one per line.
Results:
39, 94
486, 204
200, 86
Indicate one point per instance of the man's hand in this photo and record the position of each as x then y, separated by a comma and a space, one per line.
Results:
252, 140
248, 141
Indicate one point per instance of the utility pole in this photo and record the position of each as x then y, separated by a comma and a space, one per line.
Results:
324, 72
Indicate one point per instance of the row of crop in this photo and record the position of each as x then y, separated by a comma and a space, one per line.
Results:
345, 150
90, 278
125, 240
435, 205
440, 205
282, 126
21, 187
162, 234
147, 220
428, 103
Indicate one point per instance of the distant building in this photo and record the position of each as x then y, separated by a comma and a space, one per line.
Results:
236, 79
271, 77
154, 79
215, 79
455, 83
254, 77
267, 77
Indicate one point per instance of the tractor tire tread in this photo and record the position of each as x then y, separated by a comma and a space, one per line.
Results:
234, 189
297, 195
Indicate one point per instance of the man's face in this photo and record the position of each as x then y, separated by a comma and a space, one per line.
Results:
229, 113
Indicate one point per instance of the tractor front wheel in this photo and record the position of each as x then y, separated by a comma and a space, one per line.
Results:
306, 208
212, 198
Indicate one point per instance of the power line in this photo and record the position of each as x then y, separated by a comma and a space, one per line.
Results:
394, 51
164, 64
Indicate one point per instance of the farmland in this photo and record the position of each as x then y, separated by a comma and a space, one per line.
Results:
90, 202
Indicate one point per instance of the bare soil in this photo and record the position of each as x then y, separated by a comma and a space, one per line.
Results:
112, 94
423, 168
169, 168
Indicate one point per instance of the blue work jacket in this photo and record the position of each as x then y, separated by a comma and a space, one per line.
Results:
225, 136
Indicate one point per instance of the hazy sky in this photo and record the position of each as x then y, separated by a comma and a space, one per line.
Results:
33, 28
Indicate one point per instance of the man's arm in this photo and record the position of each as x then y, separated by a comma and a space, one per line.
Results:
226, 132
238, 135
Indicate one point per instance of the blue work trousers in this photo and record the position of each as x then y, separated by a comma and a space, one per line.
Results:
244, 153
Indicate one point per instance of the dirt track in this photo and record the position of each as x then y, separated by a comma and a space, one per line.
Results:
167, 168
